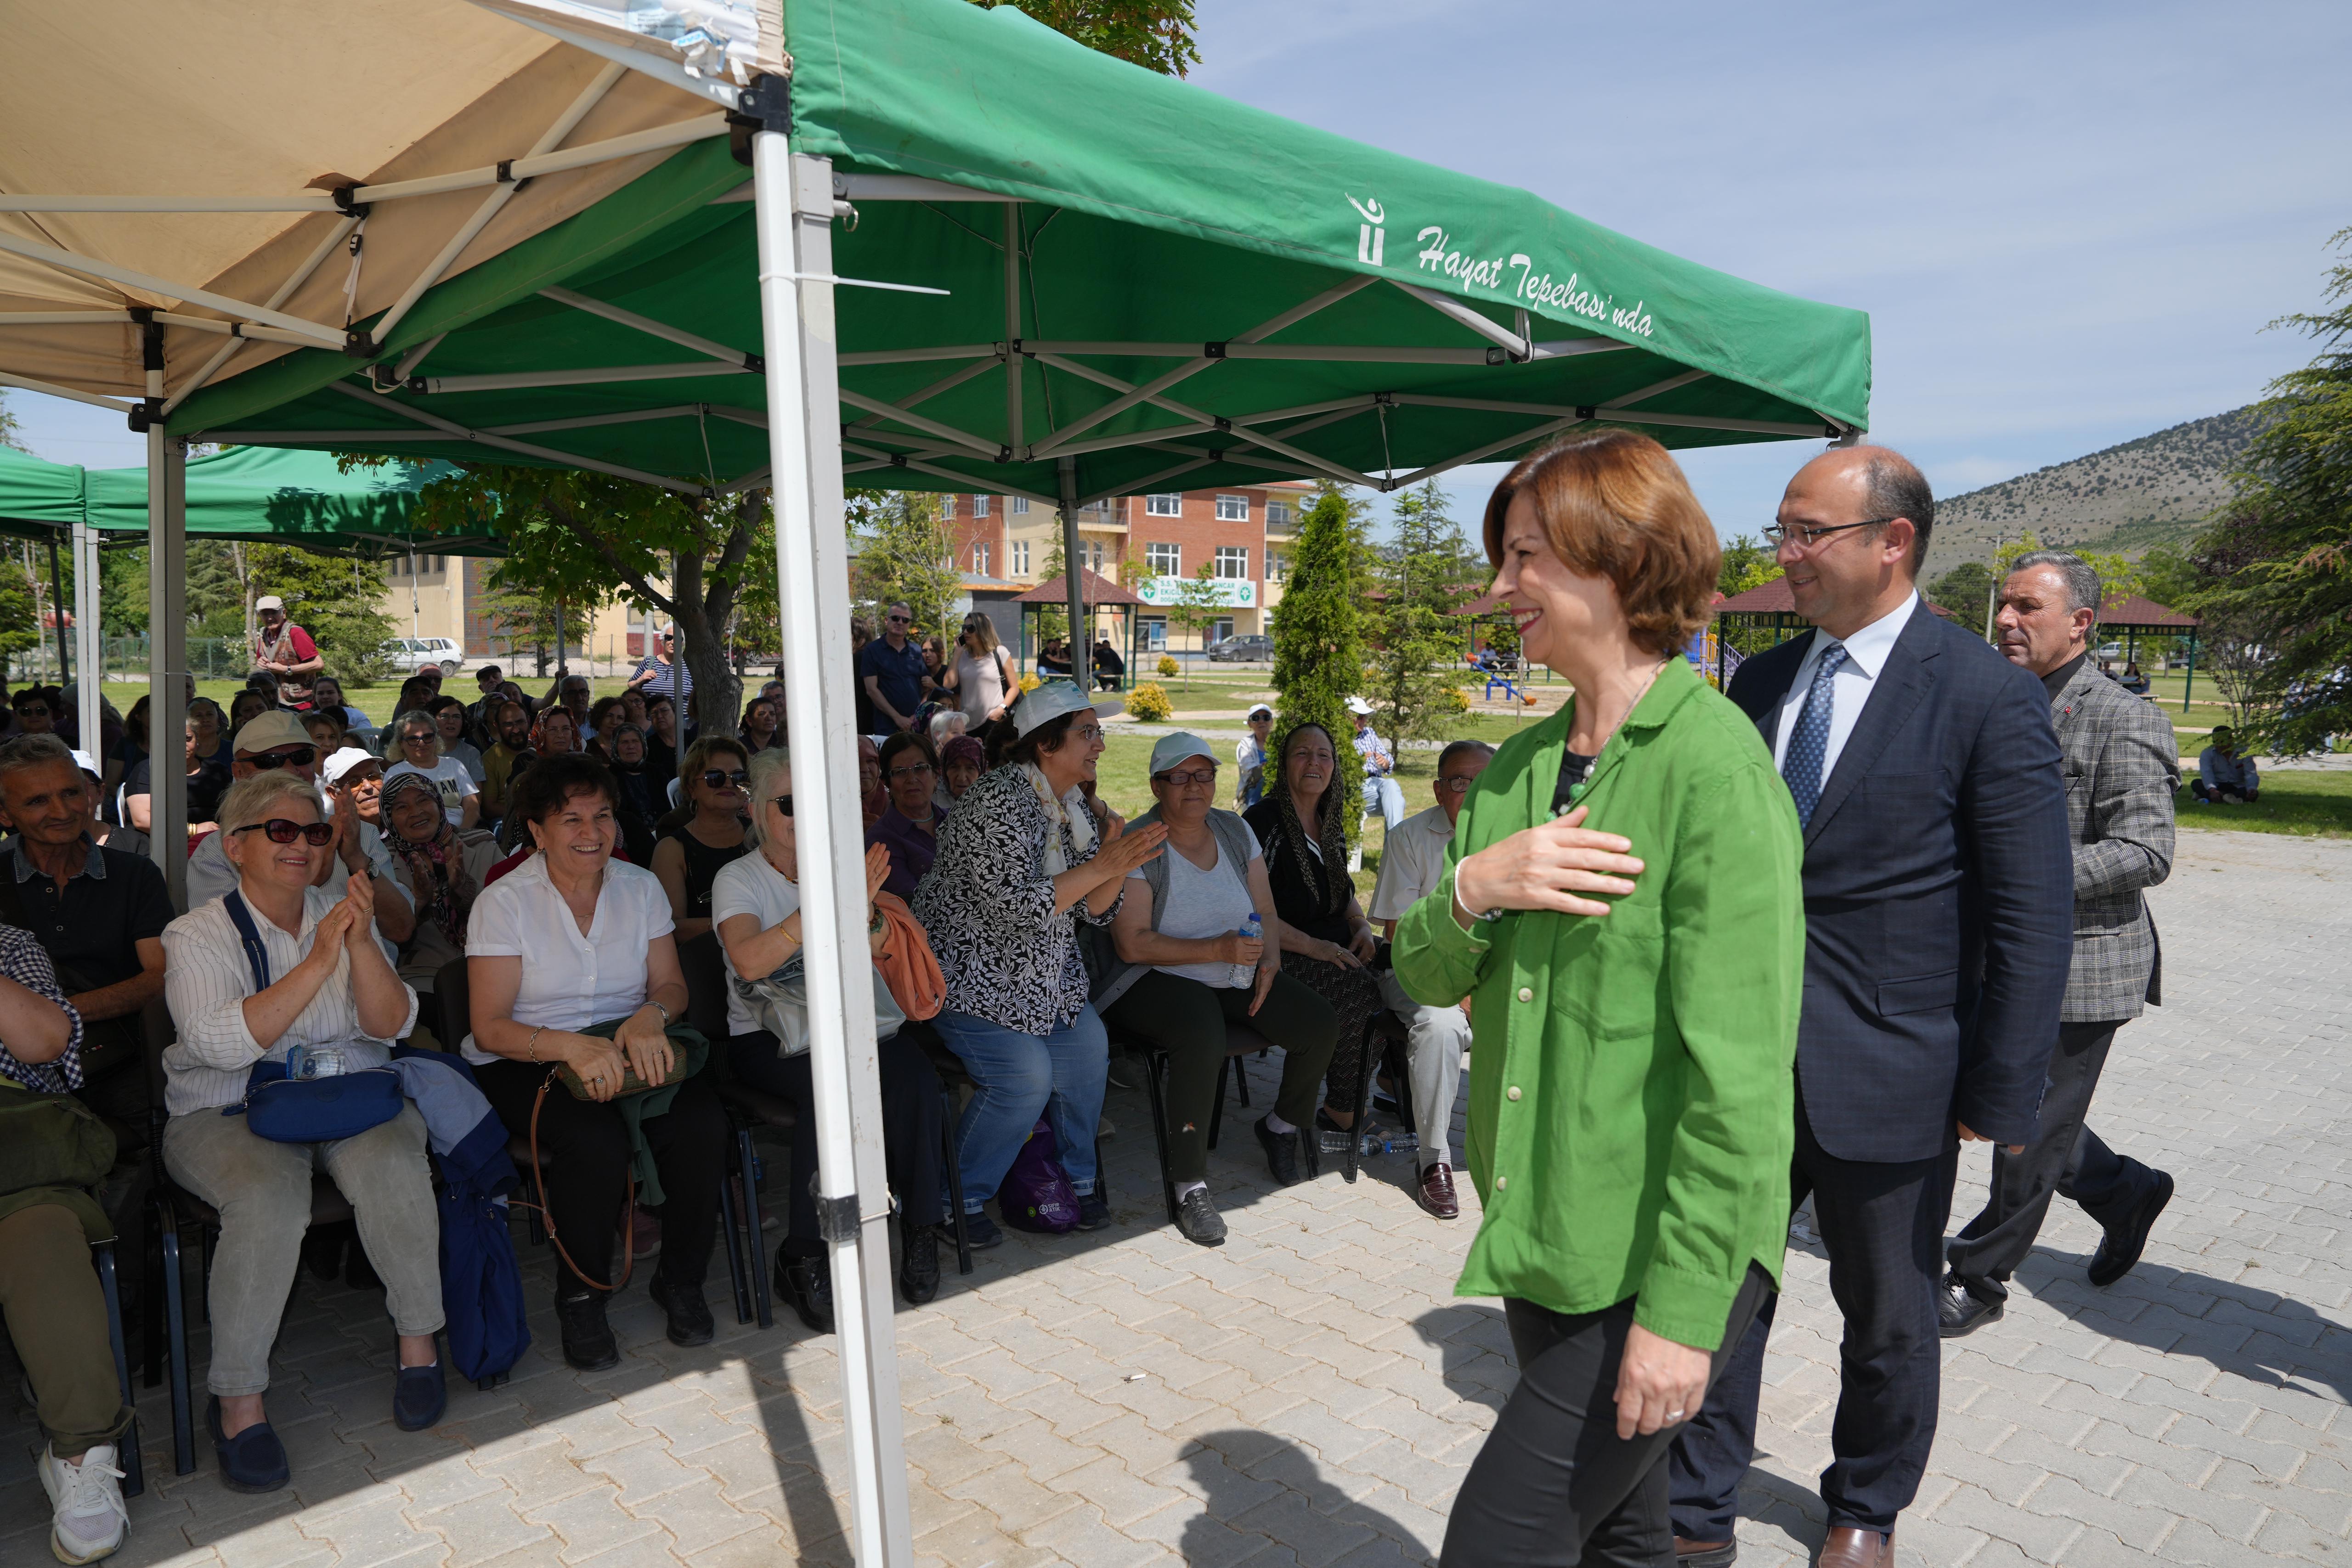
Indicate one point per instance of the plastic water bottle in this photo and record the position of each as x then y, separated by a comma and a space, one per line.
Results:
1374, 1143
1253, 930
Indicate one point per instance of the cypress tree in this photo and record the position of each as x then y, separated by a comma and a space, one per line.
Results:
1318, 655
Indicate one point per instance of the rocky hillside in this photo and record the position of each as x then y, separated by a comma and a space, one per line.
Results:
2155, 490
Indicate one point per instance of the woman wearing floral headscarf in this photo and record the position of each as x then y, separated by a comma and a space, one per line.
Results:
442, 874
1326, 939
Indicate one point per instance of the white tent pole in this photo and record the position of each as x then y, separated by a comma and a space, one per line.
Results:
52, 388
89, 649
66, 260
793, 218
329, 244
167, 632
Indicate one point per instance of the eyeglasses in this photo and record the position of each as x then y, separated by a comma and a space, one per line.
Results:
1192, 776
719, 778
901, 620
283, 830
292, 757
1456, 784
1806, 538
783, 803
910, 771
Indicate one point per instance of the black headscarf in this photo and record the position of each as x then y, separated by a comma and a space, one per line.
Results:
1327, 876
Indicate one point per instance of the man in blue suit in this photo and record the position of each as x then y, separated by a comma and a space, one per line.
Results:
1938, 927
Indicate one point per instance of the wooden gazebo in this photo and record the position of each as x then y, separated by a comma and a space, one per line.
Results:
1099, 593
2131, 615
1768, 606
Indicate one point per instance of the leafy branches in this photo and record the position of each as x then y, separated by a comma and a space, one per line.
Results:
1318, 633
1154, 34
1415, 638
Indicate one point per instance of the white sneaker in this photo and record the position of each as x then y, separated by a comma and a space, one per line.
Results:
90, 1516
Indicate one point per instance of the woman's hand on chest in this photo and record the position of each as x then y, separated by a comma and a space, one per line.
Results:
1553, 865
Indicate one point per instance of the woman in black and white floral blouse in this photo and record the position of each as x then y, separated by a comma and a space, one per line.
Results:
1020, 862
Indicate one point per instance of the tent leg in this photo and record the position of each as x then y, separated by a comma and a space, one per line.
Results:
167, 625
1082, 648
793, 218
90, 658
58, 612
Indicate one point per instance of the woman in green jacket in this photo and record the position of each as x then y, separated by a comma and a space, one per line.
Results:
1625, 913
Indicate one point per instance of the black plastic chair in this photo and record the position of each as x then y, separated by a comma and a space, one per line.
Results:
953, 1076
1241, 1041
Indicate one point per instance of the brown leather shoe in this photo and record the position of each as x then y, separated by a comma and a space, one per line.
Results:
1435, 1193
1850, 1548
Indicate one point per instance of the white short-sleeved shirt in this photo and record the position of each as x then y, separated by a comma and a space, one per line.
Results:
568, 980
1201, 904
749, 885
451, 781
1412, 863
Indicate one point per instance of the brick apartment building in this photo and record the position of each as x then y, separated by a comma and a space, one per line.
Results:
1149, 544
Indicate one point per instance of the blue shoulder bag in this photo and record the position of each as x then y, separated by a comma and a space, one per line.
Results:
287, 1109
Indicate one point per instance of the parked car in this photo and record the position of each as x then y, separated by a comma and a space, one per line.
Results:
1248, 649
413, 653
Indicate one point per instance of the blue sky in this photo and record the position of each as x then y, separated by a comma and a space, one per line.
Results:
2069, 224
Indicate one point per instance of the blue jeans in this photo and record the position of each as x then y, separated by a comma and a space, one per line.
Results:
1015, 1077
1385, 795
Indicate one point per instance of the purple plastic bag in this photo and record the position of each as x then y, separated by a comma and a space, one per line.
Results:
1036, 1194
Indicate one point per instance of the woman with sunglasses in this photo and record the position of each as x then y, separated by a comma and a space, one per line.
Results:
1020, 863
909, 828
757, 904
419, 737
570, 942
691, 854
331, 993
981, 678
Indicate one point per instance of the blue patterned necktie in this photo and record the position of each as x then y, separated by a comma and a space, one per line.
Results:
1809, 745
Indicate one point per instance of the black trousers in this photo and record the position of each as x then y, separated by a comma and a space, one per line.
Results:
2065, 1156
1187, 1020
1883, 1225
588, 1182
911, 1130
1554, 1483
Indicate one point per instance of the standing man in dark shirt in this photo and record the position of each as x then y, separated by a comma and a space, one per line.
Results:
99, 914
891, 672
2122, 766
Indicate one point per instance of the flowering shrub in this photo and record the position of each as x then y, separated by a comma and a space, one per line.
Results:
1149, 701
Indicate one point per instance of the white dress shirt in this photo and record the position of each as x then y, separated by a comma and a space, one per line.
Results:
568, 980
1865, 655
206, 980
1411, 861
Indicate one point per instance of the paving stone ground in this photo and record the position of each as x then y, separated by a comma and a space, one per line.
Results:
1312, 1393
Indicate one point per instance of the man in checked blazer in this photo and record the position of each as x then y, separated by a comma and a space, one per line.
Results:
1938, 917
2123, 766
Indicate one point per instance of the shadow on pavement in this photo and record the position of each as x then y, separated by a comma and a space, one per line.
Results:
1258, 1485
2238, 1328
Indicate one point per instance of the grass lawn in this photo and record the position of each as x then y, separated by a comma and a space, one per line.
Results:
2305, 803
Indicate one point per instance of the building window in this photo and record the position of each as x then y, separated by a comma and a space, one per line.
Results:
1233, 561
1163, 505
1277, 515
1091, 554
1277, 565
980, 560
1020, 505
947, 509
1233, 508
1164, 560
1020, 557
980, 505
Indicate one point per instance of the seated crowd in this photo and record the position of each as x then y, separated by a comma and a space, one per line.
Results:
334, 877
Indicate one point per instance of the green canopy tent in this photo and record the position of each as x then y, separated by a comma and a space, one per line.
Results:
251, 493
931, 278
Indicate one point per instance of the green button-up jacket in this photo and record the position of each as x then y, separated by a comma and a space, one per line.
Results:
1631, 1115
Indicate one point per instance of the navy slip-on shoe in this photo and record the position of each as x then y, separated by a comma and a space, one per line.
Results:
419, 1395
252, 1461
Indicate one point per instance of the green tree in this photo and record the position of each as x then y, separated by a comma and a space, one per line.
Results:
905, 552
1319, 651
1424, 576
520, 616
1154, 34
2277, 563
1746, 563
582, 540
11, 436
1964, 590
1198, 604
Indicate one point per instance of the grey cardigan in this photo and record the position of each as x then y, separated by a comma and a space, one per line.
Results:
2122, 766
1239, 846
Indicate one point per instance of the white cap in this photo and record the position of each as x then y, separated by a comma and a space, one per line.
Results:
1174, 749
1359, 705
268, 601
343, 762
86, 762
1048, 702
1257, 708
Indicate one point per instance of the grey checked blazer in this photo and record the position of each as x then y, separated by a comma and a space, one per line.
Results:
2123, 766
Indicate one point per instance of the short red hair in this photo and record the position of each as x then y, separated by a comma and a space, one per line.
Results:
1615, 504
